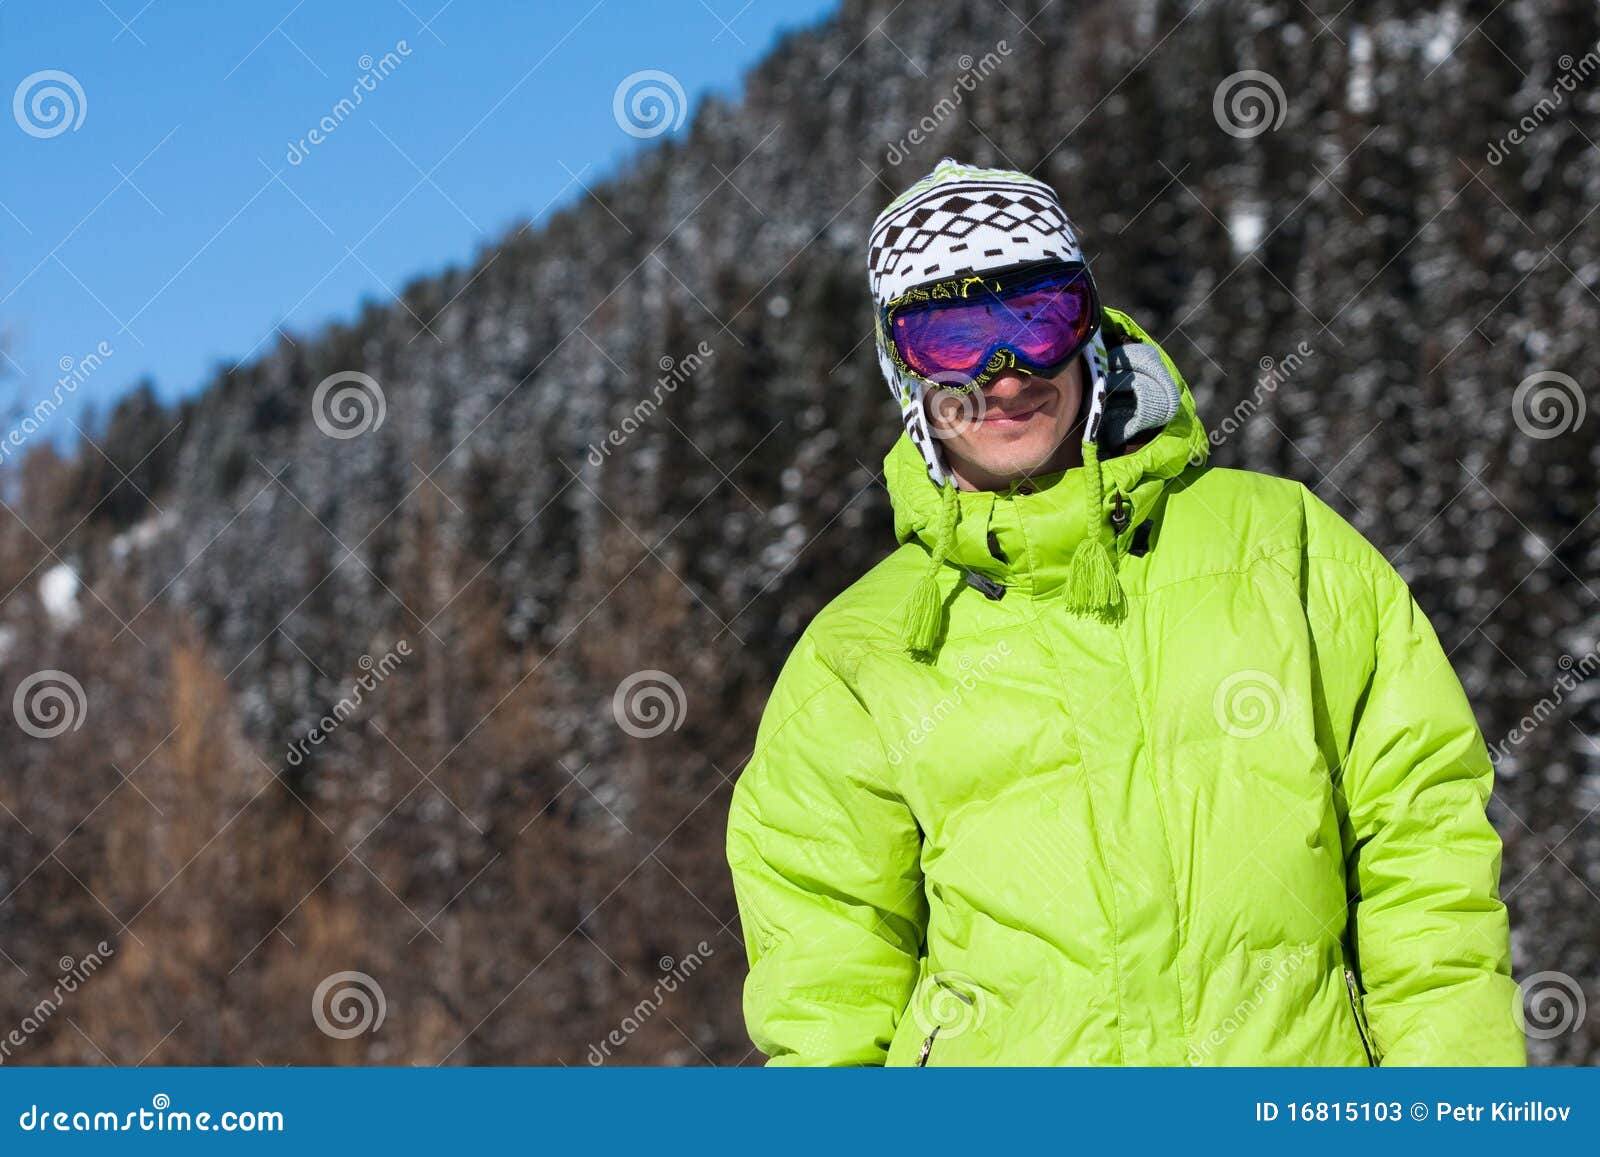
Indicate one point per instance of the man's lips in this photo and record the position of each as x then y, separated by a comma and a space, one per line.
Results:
1010, 418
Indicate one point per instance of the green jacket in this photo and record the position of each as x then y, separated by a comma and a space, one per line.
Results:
1239, 822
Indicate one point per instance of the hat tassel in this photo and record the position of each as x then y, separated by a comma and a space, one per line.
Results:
1092, 584
925, 606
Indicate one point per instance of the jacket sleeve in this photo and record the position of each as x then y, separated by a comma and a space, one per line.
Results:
826, 868
1431, 936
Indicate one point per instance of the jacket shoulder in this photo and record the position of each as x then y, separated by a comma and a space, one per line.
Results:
865, 616
1234, 519
1225, 487
1247, 516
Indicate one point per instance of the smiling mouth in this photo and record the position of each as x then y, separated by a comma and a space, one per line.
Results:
1015, 418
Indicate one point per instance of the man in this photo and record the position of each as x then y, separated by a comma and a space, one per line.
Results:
1120, 758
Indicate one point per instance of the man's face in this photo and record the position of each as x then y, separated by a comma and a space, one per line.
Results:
1015, 427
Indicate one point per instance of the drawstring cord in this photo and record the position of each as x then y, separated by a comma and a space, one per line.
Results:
925, 606
1092, 586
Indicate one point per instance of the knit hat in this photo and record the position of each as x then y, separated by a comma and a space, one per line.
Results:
960, 219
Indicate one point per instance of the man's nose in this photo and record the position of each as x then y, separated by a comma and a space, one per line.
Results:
1006, 385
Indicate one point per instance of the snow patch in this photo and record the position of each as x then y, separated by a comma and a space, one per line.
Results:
1358, 93
58, 591
1245, 227
1444, 40
141, 535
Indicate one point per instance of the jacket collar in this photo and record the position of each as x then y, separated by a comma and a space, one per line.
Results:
1037, 524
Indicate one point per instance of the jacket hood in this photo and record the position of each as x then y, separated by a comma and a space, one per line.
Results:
1039, 525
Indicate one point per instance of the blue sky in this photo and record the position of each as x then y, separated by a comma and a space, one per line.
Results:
173, 224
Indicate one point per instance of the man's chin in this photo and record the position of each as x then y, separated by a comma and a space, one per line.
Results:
1018, 461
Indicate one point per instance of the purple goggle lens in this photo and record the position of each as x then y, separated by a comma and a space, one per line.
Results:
1043, 321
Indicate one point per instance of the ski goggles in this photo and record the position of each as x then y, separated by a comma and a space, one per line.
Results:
960, 333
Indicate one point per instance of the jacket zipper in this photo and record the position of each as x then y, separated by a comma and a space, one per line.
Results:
1361, 1020
927, 1047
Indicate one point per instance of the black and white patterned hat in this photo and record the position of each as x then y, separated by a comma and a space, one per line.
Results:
960, 219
